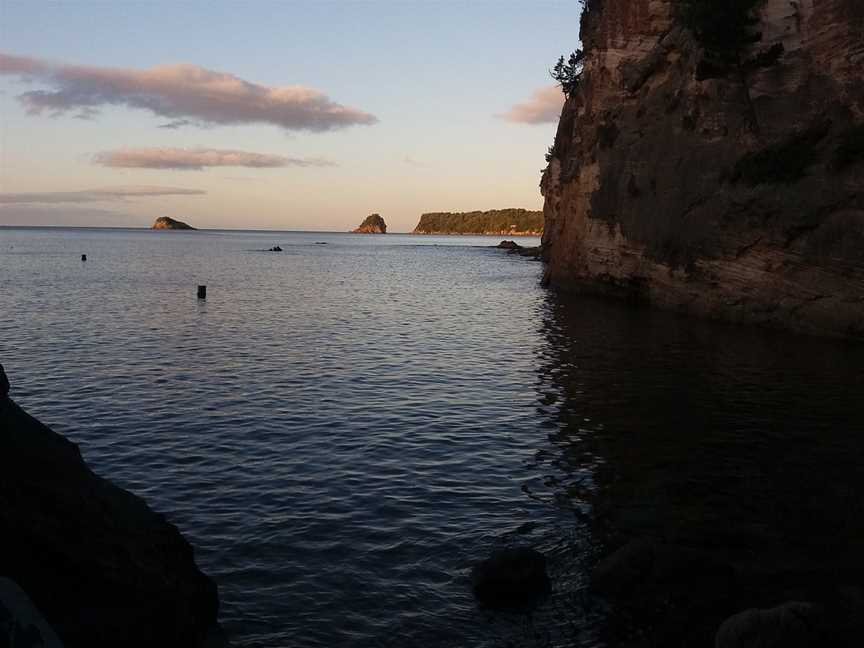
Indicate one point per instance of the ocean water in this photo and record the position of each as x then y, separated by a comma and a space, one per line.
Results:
342, 429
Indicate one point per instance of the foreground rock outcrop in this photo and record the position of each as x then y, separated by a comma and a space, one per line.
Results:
503, 222
95, 560
164, 222
727, 183
372, 224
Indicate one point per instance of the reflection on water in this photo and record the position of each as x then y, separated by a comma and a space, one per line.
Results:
743, 443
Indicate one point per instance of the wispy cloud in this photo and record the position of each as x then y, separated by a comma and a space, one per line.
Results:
67, 215
110, 194
198, 159
410, 161
543, 107
180, 92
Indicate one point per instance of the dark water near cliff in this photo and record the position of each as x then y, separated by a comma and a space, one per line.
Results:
342, 430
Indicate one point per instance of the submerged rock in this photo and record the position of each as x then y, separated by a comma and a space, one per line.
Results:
166, 223
102, 567
372, 224
511, 578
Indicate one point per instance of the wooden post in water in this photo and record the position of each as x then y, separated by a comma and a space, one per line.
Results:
202, 292
83, 257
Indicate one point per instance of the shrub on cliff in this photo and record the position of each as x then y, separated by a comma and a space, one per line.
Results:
568, 74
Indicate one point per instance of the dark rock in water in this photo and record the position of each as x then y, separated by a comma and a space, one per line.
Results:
4, 383
101, 566
275, 248
21, 624
372, 224
511, 578
166, 223
791, 625
320, 242
508, 245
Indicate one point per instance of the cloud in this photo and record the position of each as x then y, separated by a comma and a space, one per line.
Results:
197, 159
410, 161
179, 92
65, 215
94, 195
543, 107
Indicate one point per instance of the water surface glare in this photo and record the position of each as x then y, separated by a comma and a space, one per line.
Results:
341, 429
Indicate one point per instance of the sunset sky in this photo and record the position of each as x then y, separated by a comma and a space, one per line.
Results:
275, 115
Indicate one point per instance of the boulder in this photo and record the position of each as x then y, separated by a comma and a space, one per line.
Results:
21, 624
791, 625
101, 566
511, 578
508, 245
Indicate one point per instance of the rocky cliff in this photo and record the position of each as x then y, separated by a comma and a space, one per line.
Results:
503, 222
725, 183
372, 224
164, 222
95, 560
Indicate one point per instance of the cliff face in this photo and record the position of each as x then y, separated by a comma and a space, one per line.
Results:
737, 194
372, 224
503, 222
97, 562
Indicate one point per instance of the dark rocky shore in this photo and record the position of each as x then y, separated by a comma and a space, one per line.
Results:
101, 567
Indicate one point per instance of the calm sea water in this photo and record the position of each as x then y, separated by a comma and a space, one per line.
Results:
342, 430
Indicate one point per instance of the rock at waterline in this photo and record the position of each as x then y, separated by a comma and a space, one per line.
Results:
166, 223
102, 567
508, 245
372, 224
275, 248
511, 578
21, 623
791, 625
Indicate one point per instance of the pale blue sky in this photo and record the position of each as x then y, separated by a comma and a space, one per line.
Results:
435, 74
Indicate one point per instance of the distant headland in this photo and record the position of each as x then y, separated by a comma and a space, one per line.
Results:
512, 222
372, 224
166, 223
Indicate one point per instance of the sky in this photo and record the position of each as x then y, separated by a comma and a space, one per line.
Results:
290, 115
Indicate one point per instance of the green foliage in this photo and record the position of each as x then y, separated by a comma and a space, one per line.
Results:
784, 162
477, 222
723, 28
569, 74
851, 150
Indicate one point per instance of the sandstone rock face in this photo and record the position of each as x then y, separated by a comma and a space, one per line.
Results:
372, 224
164, 222
95, 560
738, 197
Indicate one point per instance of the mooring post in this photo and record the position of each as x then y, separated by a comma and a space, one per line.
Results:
202, 292
83, 257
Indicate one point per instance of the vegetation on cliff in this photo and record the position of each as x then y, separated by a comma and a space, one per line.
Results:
164, 222
372, 224
496, 221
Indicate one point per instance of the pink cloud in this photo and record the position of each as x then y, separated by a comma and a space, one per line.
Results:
178, 92
198, 159
543, 107
108, 194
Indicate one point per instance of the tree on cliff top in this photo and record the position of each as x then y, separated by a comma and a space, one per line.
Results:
722, 28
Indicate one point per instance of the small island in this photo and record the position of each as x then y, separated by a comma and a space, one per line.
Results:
166, 223
372, 224
507, 222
